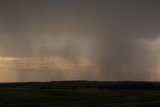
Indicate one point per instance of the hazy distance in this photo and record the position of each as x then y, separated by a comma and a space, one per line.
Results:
45, 40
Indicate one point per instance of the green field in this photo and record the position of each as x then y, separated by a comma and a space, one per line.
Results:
77, 98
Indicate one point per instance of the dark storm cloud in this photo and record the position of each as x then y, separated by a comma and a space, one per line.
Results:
116, 35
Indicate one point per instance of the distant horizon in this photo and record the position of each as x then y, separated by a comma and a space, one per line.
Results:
75, 81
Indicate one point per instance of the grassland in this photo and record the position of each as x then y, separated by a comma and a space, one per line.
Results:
78, 98
80, 94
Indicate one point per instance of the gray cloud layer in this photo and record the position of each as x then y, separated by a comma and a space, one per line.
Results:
119, 37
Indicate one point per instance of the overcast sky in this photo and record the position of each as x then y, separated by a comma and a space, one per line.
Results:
44, 40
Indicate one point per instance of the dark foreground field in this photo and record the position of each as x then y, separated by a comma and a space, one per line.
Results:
81, 97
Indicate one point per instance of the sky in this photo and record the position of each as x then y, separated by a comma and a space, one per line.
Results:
101, 40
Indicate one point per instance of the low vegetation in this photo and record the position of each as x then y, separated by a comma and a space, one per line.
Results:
79, 94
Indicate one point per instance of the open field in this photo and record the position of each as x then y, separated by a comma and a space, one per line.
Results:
27, 97
78, 98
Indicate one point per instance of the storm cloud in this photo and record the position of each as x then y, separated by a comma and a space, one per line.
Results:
43, 40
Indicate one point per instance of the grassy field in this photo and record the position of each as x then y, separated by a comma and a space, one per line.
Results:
77, 98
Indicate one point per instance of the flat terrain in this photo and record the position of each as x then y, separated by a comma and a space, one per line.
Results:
78, 98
